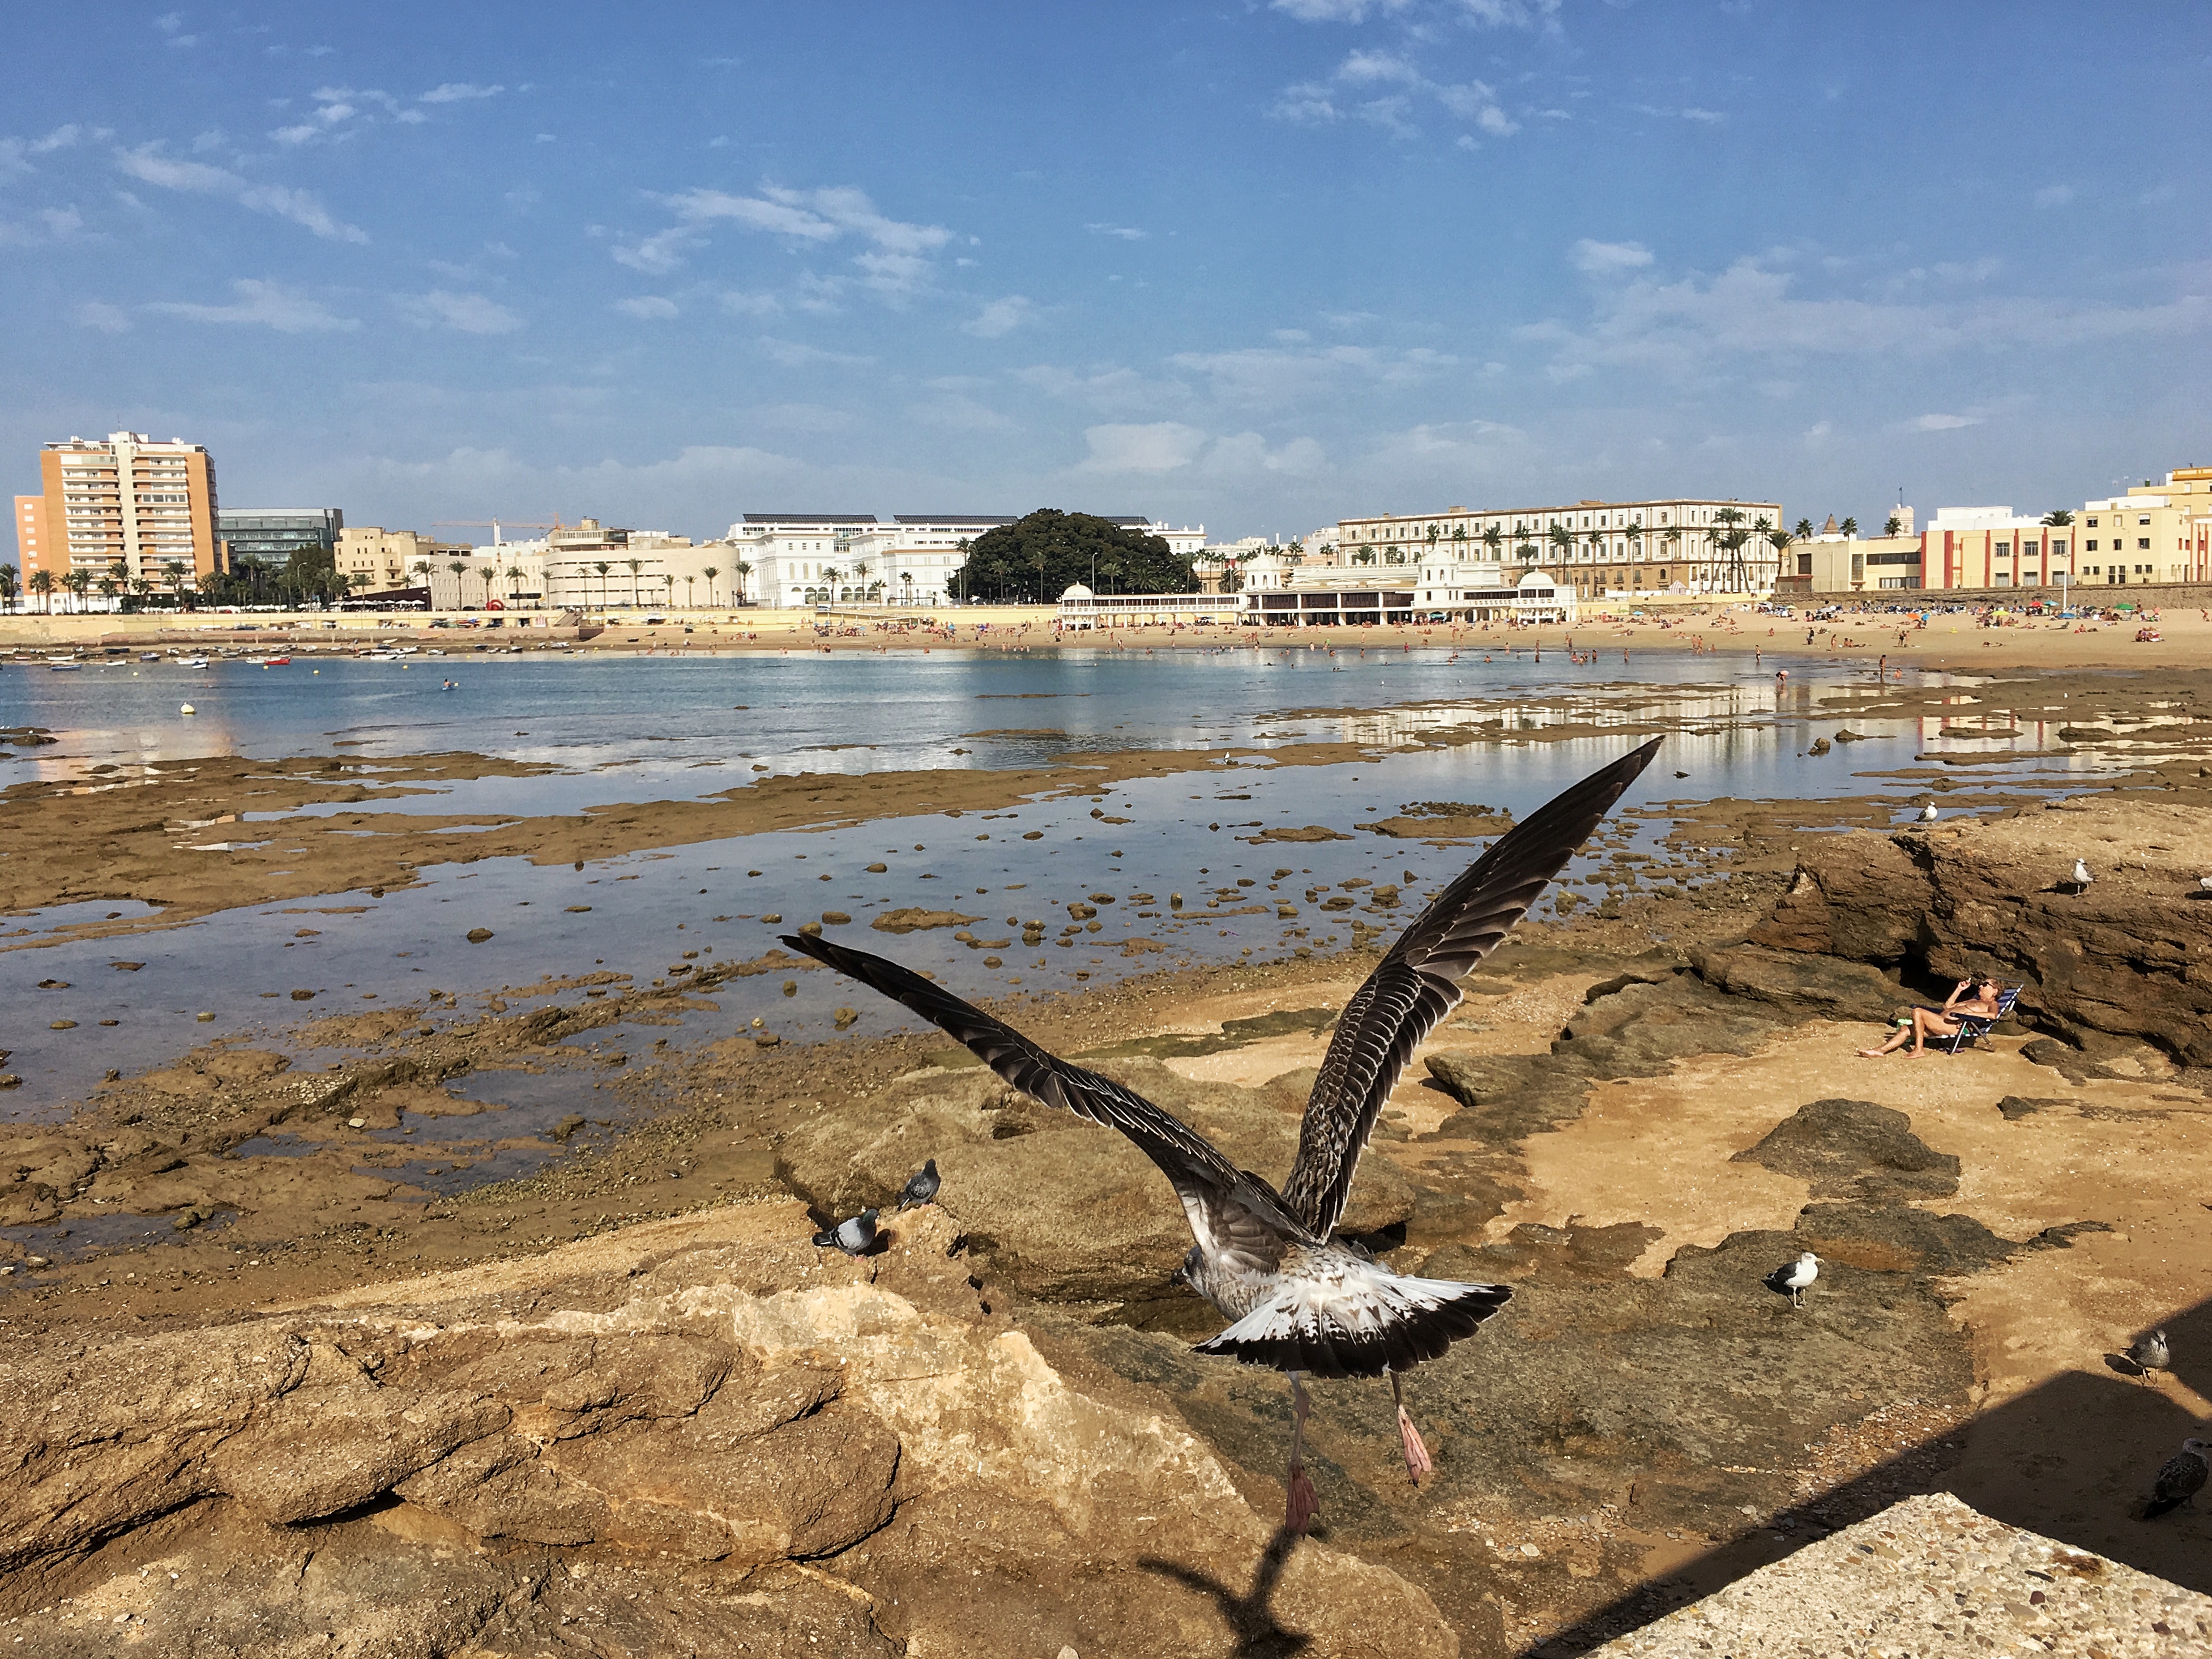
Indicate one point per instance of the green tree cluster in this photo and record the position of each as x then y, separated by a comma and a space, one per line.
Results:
1035, 558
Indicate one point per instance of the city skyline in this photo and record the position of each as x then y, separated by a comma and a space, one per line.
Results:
1265, 268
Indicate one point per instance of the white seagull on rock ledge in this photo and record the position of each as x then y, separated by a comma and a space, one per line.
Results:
1299, 1299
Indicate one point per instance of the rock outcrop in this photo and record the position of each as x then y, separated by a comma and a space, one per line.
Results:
2130, 956
695, 1436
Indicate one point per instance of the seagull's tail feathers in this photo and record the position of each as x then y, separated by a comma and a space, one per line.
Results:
1360, 1324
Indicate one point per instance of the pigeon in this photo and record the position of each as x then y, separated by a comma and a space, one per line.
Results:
1791, 1278
921, 1186
856, 1235
1928, 814
2150, 1353
1296, 1298
2180, 1479
2082, 875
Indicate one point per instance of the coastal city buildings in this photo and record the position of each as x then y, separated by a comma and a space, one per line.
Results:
912, 561
1597, 549
123, 509
375, 560
272, 535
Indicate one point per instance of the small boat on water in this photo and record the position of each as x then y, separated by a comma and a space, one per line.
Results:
60, 664
268, 662
192, 662
149, 656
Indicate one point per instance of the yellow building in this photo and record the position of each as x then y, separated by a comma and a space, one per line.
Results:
126, 502
2147, 535
388, 557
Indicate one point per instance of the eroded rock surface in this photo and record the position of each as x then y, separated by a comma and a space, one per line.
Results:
696, 1436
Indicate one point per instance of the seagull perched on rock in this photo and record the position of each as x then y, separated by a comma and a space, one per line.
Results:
1299, 1298
2180, 1479
2150, 1353
2204, 883
856, 1235
921, 1186
1791, 1278
2082, 876
1928, 814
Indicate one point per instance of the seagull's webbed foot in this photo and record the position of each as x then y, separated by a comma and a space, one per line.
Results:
1418, 1461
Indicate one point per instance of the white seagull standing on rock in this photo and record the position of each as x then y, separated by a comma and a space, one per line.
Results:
1928, 814
2083, 875
1297, 1298
1791, 1278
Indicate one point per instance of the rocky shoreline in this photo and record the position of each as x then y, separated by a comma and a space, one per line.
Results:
1638, 1112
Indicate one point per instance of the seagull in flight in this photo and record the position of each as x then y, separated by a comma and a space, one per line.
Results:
2180, 1479
1297, 1298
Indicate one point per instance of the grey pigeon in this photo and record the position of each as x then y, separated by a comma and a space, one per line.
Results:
1296, 1298
921, 1186
2181, 1480
2150, 1353
1791, 1278
853, 1236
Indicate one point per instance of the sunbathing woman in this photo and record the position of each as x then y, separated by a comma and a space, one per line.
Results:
1944, 1021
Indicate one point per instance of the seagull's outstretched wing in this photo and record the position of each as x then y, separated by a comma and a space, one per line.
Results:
1417, 984
1232, 1209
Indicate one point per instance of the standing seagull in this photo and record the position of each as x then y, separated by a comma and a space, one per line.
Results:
856, 1235
2082, 876
1792, 1277
1928, 814
921, 1186
2150, 1353
2180, 1479
1298, 1299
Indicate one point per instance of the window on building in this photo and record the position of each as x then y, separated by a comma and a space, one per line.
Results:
2143, 542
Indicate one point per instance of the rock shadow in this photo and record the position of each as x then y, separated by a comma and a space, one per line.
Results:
2073, 1460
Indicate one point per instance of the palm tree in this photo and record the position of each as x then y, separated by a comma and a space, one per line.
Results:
741, 569
1894, 523
108, 588
602, 567
8, 585
907, 576
1804, 530
712, 571
1562, 540
830, 576
1362, 556
691, 597
1491, 537
1849, 527
78, 582
1459, 536
460, 568
175, 570
861, 575
635, 565
2058, 518
43, 584
484, 574
514, 582
1779, 539
143, 588
668, 581
422, 569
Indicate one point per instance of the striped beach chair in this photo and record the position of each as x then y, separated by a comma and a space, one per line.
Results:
1974, 1027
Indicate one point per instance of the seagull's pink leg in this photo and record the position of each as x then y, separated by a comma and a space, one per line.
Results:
1302, 1502
1418, 1461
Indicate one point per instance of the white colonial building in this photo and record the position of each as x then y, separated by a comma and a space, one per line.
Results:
911, 561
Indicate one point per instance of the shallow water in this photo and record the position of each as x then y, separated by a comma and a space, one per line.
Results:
640, 728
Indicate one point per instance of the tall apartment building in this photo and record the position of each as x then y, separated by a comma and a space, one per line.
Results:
1598, 548
123, 500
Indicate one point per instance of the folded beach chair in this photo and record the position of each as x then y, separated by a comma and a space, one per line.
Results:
1972, 1028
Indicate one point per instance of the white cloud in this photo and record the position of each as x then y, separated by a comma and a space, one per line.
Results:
1605, 258
1941, 422
1158, 446
471, 313
738, 304
1336, 11
55, 225
268, 304
2052, 196
792, 355
1245, 453
1266, 377
148, 165
651, 307
1385, 88
1709, 117
1818, 430
62, 137
172, 24
1689, 328
896, 262
1000, 317
1126, 232
455, 92
107, 318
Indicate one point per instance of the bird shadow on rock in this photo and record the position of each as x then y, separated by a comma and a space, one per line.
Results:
1248, 1615
2031, 1462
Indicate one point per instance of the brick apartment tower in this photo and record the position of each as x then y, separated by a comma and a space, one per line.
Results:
149, 506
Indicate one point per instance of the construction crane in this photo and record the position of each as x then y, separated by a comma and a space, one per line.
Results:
494, 525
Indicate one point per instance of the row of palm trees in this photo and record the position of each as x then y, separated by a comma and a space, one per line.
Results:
82, 583
1733, 537
605, 569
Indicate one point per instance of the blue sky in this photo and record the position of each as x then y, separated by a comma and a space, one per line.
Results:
1257, 265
